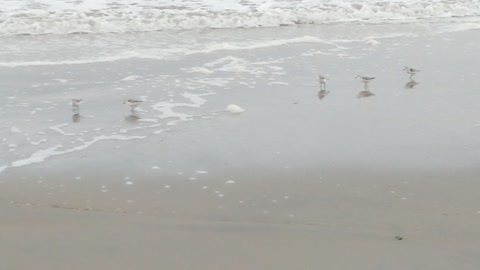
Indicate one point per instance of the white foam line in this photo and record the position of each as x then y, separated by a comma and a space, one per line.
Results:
140, 127
273, 43
312, 53
209, 48
123, 56
365, 39
166, 108
279, 83
38, 142
42, 155
131, 78
57, 129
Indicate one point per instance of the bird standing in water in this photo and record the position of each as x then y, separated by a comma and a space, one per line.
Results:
322, 81
365, 79
133, 103
76, 104
411, 71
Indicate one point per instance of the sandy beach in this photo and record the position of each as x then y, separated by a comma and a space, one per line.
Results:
343, 220
385, 180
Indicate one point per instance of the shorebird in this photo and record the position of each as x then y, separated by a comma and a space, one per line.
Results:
411, 71
365, 79
322, 81
132, 103
76, 104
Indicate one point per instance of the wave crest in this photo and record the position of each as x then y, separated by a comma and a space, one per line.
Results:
144, 15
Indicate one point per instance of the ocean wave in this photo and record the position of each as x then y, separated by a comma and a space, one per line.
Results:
167, 53
107, 16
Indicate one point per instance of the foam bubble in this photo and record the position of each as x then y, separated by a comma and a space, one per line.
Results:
234, 109
131, 78
15, 129
200, 70
372, 42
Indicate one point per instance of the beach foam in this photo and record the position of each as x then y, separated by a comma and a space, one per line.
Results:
166, 109
41, 155
104, 16
234, 109
169, 53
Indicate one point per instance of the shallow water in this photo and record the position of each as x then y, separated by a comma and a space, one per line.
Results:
187, 84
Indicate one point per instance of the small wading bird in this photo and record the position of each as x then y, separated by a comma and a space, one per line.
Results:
76, 104
132, 103
411, 71
364, 79
322, 81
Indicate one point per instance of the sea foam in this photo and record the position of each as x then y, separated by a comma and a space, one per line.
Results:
41, 155
107, 16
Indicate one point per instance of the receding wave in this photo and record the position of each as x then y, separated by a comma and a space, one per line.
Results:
19, 17
167, 54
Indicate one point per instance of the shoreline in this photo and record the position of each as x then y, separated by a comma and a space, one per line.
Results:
294, 182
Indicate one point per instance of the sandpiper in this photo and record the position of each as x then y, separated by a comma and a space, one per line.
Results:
322, 81
76, 104
411, 71
365, 79
133, 103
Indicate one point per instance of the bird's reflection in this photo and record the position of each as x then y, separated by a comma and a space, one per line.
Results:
364, 94
322, 93
132, 118
76, 117
411, 84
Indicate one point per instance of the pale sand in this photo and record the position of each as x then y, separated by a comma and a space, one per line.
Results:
341, 221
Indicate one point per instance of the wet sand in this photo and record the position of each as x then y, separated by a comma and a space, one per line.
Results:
295, 182
338, 221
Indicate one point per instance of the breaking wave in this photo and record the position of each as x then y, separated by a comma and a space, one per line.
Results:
108, 16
